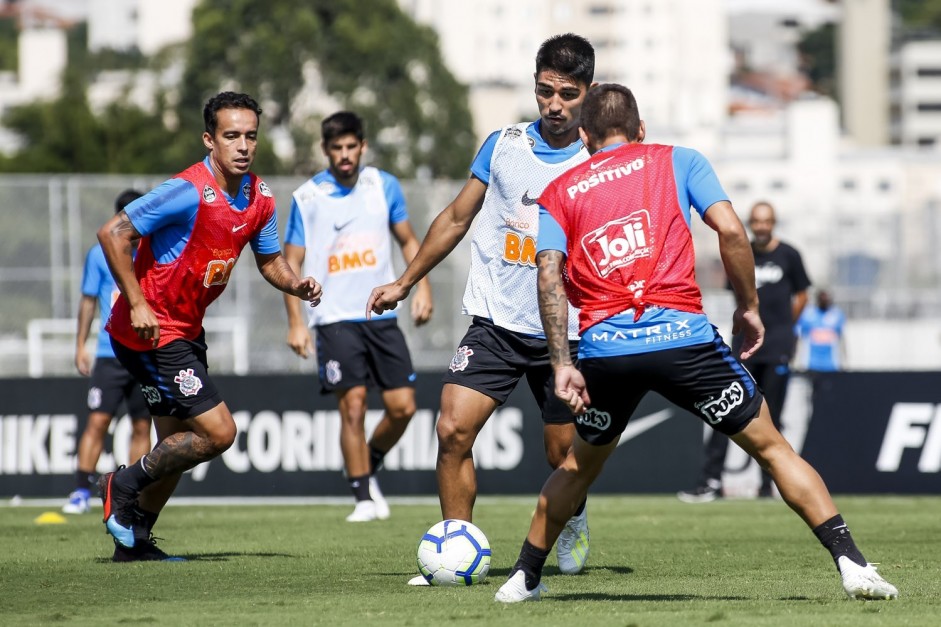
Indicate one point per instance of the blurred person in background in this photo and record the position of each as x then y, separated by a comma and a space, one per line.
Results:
505, 340
191, 230
821, 329
111, 383
782, 294
344, 216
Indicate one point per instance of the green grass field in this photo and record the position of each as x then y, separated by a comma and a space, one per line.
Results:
654, 561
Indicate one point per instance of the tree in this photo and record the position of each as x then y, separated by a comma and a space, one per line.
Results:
377, 62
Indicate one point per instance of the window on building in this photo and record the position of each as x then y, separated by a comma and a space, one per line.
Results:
885, 185
926, 107
849, 184
741, 186
927, 141
929, 72
777, 184
601, 9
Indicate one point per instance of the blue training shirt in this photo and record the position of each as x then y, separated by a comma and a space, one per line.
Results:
480, 167
659, 328
168, 213
398, 212
98, 283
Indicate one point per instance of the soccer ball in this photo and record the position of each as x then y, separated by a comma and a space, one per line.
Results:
454, 553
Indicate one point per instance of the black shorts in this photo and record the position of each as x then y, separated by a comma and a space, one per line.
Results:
706, 380
174, 378
363, 353
111, 384
491, 360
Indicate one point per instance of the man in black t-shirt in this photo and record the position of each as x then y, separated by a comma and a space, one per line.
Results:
782, 293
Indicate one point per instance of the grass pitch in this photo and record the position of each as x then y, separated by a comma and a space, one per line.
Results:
654, 561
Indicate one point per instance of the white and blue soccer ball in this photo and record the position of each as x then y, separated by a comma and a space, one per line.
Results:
454, 553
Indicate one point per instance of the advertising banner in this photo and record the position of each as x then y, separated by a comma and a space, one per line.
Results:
876, 432
288, 443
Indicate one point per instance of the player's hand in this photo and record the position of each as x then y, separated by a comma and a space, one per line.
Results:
748, 321
422, 307
384, 298
145, 324
299, 341
308, 289
570, 387
83, 362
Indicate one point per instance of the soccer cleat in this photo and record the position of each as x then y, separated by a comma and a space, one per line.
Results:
572, 546
863, 582
514, 590
364, 511
382, 506
78, 502
707, 493
418, 581
143, 551
121, 518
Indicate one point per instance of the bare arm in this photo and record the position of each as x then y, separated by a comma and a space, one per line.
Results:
797, 305
445, 232
422, 305
553, 310
118, 239
276, 271
739, 263
298, 336
86, 313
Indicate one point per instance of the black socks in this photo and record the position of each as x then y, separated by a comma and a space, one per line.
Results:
835, 536
134, 476
84, 480
375, 459
531, 561
360, 487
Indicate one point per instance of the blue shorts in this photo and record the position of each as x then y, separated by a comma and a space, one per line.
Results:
350, 354
174, 378
492, 360
705, 379
112, 384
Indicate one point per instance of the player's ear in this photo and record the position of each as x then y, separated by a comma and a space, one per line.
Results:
584, 136
207, 140
641, 132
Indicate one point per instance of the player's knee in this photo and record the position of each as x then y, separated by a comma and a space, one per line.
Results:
402, 411
454, 438
222, 438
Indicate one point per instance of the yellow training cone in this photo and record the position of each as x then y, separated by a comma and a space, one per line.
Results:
50, 518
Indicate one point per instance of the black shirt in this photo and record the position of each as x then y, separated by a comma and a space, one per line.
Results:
779, 274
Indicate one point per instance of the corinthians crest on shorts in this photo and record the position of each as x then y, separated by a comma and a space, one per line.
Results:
189, 383
333, 372
461, 359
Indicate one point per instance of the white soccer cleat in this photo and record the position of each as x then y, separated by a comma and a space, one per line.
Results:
514, 590
382, 506
572, 546
863, 582
418, 581
364, 511
78, 502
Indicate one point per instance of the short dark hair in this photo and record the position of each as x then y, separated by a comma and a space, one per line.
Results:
342, 123
125, 198
226, 100
610, 109
568, 54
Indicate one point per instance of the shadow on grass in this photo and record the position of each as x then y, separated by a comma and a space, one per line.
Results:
659, 598
551, 571
206, 557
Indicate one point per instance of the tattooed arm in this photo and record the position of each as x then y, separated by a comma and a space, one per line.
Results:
118, 239
553, 309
